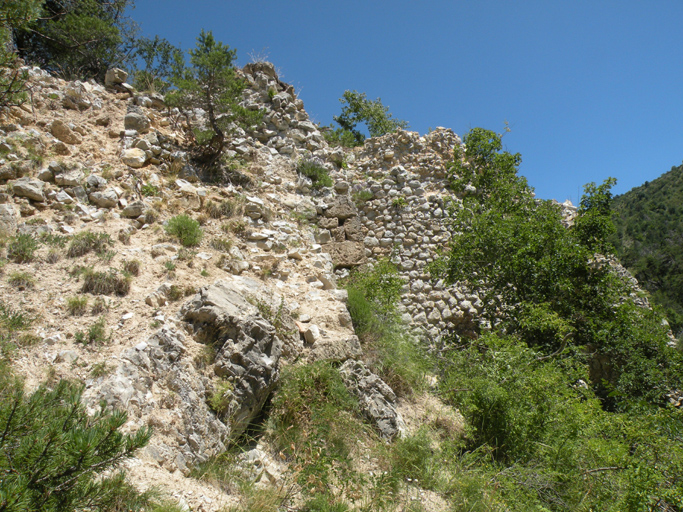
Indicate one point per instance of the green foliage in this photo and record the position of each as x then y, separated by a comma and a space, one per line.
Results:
78, 39
86, 241
222, 397
14, 15
558, 295
313, 422
537, 436
54, 457
357, 108
21, 248
226, 208
185, 229
373, 298
158, 56
649, 228
314, 169
209, 82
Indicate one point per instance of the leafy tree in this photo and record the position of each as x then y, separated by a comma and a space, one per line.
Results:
210, 82
357, 108
78, 39
158, 56
545, 281
54, 457
14, 14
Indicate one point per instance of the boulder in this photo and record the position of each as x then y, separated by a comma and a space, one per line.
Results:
76, 96
342, 208
376, 399
8, 220
134, 157
64, 133
346, 254
248, 349
136, 119
115, 76
106, 199
134, 210
29, 188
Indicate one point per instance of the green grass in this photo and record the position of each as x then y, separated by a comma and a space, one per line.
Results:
111, 282
21, 280
21, 248
185, 229
86, 242
95, 334
77, 306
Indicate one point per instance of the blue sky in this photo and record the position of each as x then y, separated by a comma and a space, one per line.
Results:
591, 89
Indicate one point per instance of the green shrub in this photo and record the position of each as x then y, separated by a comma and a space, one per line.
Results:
148, 190
87, 241
105, 283
314, 422
56, 457
185, 229
314, 169
175, 293
54, 240
21, 248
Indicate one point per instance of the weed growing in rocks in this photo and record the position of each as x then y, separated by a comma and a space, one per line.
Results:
87, 241
77, 306
21, 248
106, 283
314, 169
132, 267
21, 280
96, 333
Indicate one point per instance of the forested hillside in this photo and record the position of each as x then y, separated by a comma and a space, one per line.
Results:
649, 222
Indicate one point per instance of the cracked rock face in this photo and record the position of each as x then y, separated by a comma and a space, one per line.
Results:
182, 416
248, 349
376, 399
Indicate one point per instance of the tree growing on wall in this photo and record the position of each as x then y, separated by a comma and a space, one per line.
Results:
210, 82
357, 108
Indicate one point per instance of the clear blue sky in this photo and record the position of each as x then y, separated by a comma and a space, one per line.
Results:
590, 88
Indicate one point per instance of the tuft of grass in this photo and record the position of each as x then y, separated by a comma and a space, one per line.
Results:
175, 293
21, 280
225, 209
77, 306
22, 248
87, 241
221, 244
132, 267
101, 369
185, 229
54, 240
53, 256
235, 226
96, 333
106, 283
99, 306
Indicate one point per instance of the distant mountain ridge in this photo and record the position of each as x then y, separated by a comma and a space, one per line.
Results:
649, 240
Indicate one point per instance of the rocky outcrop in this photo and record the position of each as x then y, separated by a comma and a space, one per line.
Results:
376, 399
156, 381
247, 346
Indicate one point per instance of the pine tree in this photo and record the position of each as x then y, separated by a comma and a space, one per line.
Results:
211, 83
53, 454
